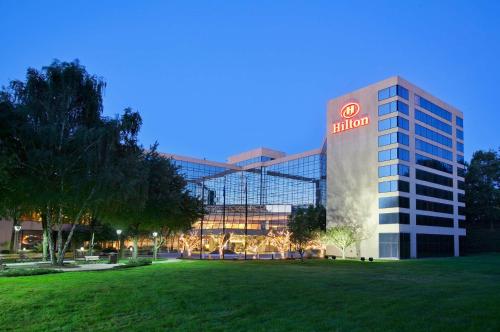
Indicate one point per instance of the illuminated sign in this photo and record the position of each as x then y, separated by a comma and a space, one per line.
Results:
348, 112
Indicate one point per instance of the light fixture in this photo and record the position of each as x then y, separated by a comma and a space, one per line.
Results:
131, 248
119, 231
82, 248
155, 234
17, 228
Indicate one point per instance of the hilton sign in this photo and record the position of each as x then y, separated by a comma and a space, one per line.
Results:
348, 112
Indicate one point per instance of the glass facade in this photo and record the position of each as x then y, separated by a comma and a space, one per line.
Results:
433, 122
263, 196
393, 91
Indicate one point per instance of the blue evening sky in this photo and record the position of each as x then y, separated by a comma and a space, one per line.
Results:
214, 78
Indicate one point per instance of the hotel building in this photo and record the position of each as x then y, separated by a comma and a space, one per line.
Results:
392, 163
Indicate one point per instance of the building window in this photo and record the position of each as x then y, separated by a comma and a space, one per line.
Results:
461, 172
392, 138
460, 185
430, 245
434, 221
394, 245
434, 206
460, 159
393, 106
460, 147
461, 198
433, 163
433, 108
392, 91
433, 149
433, 178
393, 201
461, 210
460, 134
433, 136
459, 121
433, 122
393, 122
420, 189
394, 169
394, 218
396, 153
395, 185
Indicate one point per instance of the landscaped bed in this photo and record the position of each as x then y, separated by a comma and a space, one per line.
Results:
452, 294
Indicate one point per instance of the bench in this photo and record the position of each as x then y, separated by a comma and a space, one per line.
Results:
91, 258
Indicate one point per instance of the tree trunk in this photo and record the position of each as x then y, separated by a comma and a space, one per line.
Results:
122, 244
45, 242
136, 246
50, 240
91, 246
343, 253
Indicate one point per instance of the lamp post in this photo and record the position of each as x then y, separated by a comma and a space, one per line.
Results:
119, 233
155, 248
17, 228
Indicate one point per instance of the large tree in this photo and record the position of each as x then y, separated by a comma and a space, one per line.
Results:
305, 225
62, 146
482, 189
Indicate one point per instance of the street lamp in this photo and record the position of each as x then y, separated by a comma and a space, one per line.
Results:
17, 228
119, 233
155, 248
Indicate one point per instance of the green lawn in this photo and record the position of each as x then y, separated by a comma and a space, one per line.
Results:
453, 294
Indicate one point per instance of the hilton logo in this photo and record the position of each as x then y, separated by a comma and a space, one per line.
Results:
348, 111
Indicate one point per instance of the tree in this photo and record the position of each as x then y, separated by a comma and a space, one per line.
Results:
342, 236
281, 240
305, 225
189, 241
221, 240
482, 189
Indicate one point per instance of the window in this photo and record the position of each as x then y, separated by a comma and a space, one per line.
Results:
393, 106
433, 108
459, 121
393, 138
460, 134
396, 153
434, 206
460, 159
461, 185
392, 91
395, 185
394, 245
434, 221
433, 178
393, 122
461, 172
393, 201
433, 192
461, 211
433, 136
460, 147
395, 169
433, 149
433, 163
430, 245
394, 218
461, 198
433, 122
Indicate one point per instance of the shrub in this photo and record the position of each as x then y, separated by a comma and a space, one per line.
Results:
26, 272
136, 262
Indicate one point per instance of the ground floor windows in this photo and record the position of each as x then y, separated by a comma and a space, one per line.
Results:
432, 245
394, 245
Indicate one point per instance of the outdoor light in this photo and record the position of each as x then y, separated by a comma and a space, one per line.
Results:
131, 249
17, 228
155, 234
82, 249
119, 231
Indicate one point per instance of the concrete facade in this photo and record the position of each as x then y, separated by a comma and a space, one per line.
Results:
352, 169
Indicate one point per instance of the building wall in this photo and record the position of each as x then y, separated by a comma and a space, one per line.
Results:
352, 170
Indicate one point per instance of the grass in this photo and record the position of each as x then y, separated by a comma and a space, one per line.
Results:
453, 294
